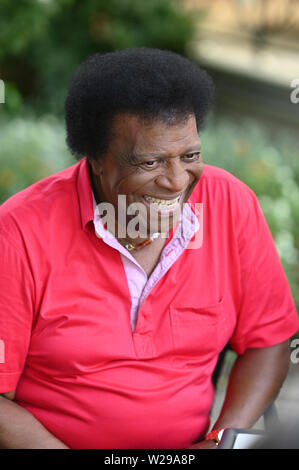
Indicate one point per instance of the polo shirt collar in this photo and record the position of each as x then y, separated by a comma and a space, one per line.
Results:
85, 193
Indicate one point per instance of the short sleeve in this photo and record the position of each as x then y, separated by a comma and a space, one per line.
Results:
16, 313
267, 314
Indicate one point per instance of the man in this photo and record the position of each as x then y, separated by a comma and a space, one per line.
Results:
113, 324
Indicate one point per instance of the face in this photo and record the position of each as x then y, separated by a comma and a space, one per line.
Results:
155, 164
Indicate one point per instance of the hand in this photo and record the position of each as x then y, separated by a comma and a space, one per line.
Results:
204, 445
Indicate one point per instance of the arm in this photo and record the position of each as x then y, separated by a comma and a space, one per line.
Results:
254, 383
19, 429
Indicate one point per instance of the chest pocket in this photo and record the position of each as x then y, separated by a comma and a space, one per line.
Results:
195, 333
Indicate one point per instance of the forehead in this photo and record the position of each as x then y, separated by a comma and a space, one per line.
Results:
136, 135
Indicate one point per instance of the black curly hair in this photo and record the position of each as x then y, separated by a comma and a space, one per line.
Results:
153, 84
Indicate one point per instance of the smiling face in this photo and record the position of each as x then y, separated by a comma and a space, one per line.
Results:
156, 164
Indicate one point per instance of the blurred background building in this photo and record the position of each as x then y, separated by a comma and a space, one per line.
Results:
249, 47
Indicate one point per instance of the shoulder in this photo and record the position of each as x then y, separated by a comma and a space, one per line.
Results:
35, 205
217, 185
227, 201
215, 176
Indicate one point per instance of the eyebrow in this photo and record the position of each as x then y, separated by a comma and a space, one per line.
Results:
146, 155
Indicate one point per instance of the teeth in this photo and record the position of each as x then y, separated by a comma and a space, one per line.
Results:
163, 202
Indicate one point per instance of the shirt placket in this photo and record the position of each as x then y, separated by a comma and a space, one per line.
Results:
142, 335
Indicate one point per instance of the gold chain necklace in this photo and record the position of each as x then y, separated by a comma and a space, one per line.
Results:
148, 241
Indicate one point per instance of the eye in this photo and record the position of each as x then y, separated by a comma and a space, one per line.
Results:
150, 164
192, 157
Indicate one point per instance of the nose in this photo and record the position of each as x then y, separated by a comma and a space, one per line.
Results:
174, 178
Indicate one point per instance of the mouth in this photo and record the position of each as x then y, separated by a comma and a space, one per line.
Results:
167, 205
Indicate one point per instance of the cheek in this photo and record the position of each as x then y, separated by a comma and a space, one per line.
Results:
194, 176
196, 171
116, 182
135, 183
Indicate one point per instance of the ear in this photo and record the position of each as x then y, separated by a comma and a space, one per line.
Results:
97, 167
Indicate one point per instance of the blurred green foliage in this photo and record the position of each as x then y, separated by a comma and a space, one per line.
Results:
43, 41
31, 149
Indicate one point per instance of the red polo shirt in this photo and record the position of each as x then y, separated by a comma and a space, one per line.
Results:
67, 344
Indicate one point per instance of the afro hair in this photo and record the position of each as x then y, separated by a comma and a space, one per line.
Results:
150, 83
